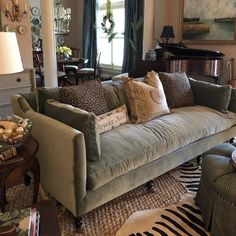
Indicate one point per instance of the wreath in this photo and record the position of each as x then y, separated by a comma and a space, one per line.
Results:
107, 21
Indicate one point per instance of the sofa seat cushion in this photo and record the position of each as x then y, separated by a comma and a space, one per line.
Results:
130, 146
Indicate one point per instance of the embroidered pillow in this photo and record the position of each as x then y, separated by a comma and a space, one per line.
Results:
112, 119
145, 102
88, 96
78, 119
177, 89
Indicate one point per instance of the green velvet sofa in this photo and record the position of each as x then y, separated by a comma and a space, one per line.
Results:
131, 154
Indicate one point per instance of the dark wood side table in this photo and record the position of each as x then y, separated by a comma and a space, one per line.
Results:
14, 169
49, 224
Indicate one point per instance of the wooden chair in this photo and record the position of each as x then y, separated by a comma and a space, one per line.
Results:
72, 68
39, 70
87, 73
38, 67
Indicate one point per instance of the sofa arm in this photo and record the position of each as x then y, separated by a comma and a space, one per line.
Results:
232, 103
61, 155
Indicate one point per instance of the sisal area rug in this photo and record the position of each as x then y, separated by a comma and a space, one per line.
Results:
111, 218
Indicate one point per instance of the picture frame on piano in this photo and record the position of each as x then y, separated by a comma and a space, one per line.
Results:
208, 21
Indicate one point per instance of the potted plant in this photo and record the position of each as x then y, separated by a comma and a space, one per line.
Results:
64, 52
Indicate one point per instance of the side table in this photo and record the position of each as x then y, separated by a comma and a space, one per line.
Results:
12, 170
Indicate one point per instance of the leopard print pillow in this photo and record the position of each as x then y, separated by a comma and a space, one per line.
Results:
88, 96
177, 89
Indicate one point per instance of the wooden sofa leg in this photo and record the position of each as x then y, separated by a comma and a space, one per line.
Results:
78, 223
232, 141
199, 159
27, 180
150, 186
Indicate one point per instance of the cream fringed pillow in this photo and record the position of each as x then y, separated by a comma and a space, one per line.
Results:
152, 79
112, 119
145, 101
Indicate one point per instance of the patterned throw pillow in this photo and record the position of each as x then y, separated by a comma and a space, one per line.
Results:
112, 119
145, 102
88, 96
177, 89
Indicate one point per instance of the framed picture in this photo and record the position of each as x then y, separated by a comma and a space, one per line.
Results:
208, 21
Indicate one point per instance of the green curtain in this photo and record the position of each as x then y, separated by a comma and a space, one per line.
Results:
134, 11
90, 32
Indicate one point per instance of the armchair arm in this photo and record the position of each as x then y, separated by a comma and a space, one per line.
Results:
232, 103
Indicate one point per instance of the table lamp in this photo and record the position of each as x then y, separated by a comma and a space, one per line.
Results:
10, 59
167, 34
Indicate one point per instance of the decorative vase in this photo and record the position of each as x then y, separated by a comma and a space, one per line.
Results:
64, 56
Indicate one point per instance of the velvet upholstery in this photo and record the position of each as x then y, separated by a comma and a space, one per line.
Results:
232, 102
46, 93
216, 194
69, 180
114, 95
31, 100
211, 95
134, 145
80, 120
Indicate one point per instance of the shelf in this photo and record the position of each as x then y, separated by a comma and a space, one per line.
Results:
62, 33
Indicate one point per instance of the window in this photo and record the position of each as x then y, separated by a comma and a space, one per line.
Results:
111, 53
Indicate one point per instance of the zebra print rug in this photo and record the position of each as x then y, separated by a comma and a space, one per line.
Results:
181, 219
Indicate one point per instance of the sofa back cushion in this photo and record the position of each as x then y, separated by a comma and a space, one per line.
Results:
31, 99
211, 95
177, 89
78, 119
44, 94
145, 102
114, 95
88, 96
232, 103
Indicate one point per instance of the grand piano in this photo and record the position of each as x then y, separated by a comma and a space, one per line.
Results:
178, 57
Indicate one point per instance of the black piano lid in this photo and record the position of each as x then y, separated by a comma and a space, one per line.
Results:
183, 52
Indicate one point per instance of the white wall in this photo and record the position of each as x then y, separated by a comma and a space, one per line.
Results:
74, 39
24, 41
148, 26
169, 12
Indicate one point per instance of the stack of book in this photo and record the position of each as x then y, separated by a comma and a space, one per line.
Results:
34, 223
21, 222
7, 152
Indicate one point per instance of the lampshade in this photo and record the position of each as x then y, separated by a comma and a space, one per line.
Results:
167, 32
10, 59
